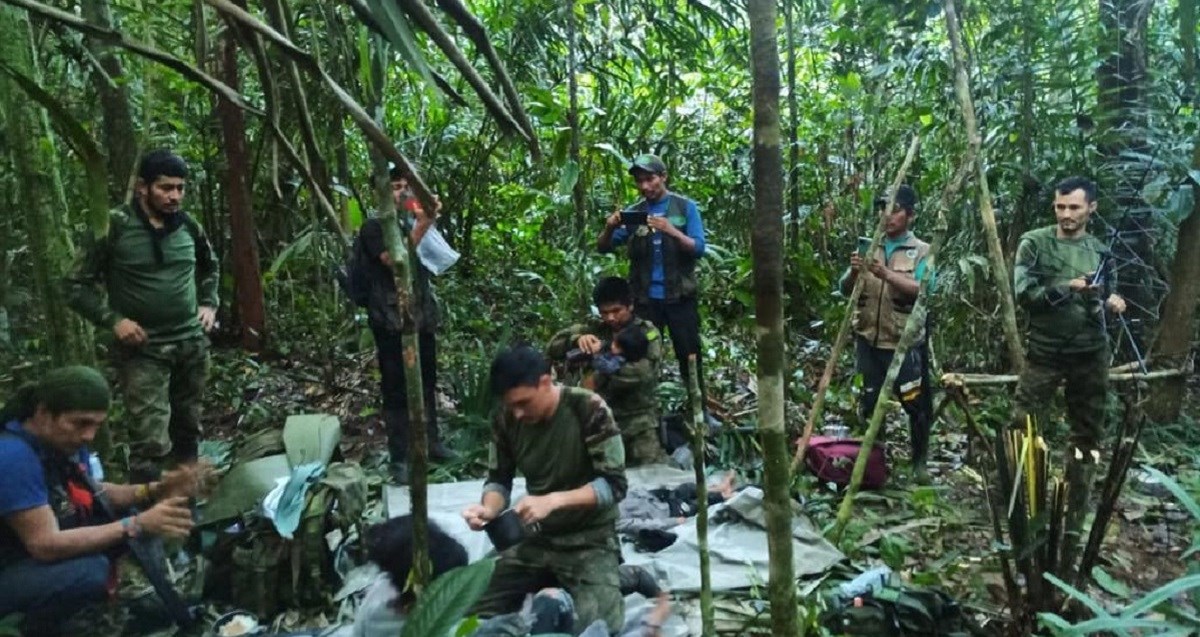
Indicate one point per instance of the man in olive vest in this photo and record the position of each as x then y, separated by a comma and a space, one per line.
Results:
663, 252
891, 280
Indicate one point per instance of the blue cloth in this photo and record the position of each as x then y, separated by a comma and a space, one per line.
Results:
694, 228
23, 481
53, 591
291, 503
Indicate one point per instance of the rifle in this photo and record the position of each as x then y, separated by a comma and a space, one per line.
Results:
1102, 280
148, 553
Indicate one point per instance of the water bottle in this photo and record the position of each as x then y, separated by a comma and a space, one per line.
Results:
95, 468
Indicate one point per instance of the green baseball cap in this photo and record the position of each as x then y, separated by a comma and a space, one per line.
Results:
649, 163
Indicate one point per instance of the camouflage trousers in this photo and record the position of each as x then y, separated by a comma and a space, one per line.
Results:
584, 564
639, 432
162, 386
1085, 377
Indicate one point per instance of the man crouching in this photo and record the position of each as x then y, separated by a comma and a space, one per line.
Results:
565, 443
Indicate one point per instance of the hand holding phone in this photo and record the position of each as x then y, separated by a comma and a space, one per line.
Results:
864, 244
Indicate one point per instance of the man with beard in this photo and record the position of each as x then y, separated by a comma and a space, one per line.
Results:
1059, 278
152, 280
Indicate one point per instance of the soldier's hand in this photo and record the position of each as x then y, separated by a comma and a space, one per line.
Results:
589, 343
477, 516
1079, 284
129, 332
1116, 304
613, 220
856, 261
534, 508
208, 317
170, 518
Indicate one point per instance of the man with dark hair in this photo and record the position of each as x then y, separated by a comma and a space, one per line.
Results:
387, 324
57, 546
1059, 277
152, 280
629, 388
662, 258
565, 443
891, 280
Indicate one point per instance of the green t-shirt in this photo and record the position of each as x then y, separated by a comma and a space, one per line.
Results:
163, 297
579, 445
1060, 321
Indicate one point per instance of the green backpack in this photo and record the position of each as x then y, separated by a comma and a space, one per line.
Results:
260, 571
896, 610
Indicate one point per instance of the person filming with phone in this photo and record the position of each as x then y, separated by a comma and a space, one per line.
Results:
665, 236
891, 280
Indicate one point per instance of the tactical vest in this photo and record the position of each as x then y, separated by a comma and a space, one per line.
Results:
679, 265
61, 476
882, 311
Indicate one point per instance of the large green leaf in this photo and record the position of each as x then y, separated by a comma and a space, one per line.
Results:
399, 34
447, 599
1176, 490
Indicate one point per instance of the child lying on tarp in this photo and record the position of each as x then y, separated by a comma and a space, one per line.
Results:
384, 609
646, 515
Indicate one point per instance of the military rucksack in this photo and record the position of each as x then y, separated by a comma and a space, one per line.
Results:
896, 610
260, 571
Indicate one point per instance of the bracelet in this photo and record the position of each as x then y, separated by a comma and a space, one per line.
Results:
130, 526
142, 493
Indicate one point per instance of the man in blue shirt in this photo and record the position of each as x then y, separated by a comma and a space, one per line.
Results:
891, 281
663, 251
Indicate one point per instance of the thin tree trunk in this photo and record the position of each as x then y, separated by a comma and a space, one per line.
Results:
120, 136
767, 255
33, 162
1187, 44
793, 175
962, 86
577, 189
242, 232
696, 406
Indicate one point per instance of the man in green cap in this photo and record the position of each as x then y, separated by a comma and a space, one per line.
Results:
56, 545
665, 236
631, 389
152, 281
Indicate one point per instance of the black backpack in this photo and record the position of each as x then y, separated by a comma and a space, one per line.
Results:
896, 610
352, 276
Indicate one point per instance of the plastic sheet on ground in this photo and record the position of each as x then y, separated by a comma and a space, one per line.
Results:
737, 538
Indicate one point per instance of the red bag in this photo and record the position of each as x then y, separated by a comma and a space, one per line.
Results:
832, 460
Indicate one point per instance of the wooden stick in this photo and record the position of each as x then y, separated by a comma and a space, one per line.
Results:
968, 379
699, 427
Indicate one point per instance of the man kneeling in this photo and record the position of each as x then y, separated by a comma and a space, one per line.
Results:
565, 443
56, 547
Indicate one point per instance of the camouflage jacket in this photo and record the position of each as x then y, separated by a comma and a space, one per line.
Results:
631, 391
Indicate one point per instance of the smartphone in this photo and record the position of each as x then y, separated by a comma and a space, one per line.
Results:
864, 244
632, 218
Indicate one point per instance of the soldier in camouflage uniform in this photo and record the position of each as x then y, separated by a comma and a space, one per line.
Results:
152, 280
631, 391
1055, 280
564, 441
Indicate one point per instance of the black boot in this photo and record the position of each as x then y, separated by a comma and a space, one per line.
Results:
396, 424
438, 451
918, 436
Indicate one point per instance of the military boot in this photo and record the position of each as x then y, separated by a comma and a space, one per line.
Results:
438, 451
918, 437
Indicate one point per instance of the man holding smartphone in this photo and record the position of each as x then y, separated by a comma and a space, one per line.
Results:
891, 280
662, 258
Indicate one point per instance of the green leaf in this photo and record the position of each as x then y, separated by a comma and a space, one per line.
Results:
610, 149
1106, 581
399, 34
447, 599
1168, 482
566, 181
299, 245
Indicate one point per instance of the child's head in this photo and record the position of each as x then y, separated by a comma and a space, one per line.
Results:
631, 343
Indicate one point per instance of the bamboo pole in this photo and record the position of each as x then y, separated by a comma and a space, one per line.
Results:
707, 620
970, 380
843, 335
962, 87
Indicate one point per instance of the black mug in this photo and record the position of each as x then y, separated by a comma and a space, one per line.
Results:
506, 530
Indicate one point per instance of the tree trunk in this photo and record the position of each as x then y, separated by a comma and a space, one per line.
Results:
577, 189
120, 136
962, 86
793, 168
767, 256
1178, 327
696, 406
242, 233
33, 162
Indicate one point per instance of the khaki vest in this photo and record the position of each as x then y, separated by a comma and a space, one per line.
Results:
881, 312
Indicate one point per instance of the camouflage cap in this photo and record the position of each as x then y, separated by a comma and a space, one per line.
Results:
649, 163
